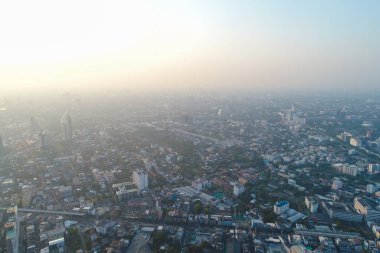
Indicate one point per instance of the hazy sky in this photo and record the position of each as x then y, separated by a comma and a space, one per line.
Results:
189, 44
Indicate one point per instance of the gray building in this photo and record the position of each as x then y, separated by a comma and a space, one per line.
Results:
341, 211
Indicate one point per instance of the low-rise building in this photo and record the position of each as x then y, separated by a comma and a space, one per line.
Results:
238, 188
347, 169
364, 207
374, 168
355, 142
337, 184
125, 191
281, 207
200, 184
341, 211
311, 204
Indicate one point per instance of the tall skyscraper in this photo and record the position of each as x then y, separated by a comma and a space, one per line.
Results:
67, 129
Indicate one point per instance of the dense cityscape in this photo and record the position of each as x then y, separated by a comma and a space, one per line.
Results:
190, 173
178, 126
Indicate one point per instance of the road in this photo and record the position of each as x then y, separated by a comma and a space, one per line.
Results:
209, 139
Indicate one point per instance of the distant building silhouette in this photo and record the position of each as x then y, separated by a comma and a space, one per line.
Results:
1, 146
67, 127
43, 140
34, 126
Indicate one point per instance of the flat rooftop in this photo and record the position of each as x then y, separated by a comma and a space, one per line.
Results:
282, 203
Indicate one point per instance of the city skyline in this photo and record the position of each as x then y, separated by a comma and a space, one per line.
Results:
189, 126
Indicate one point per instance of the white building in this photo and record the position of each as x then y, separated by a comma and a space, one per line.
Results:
140, 179
351, 170
200, 184
337, 184
292, 182
238, 189
345, 136
281, 207
374, 168
364, 207
347, 169
125, 191
371, 188
65, 191
355, 142
311, 204
314, 206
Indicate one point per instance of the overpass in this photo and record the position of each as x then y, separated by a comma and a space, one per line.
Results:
343, 235
28, 210
16, 246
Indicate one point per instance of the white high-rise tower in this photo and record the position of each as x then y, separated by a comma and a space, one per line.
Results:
140, 179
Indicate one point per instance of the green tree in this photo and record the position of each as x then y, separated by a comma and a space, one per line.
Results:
197, 208
208, 210
73, 240
269, 216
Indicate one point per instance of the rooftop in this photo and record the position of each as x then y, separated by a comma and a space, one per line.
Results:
281, 203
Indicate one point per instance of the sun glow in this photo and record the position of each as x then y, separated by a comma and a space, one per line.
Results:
54, 41
50, 31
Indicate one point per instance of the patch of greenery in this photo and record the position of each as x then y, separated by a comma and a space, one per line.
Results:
203, 247
73, 241
269, 216
161, 238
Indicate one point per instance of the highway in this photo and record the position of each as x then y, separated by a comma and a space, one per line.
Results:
343, 235
27, 210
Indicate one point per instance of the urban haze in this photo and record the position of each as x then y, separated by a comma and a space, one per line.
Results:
190, 126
